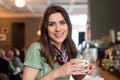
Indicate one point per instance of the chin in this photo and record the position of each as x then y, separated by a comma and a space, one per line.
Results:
59, 41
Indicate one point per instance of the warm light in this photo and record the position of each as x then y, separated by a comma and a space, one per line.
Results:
39, 32
20, 3
72, 1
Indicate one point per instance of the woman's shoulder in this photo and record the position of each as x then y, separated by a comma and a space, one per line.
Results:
35, 45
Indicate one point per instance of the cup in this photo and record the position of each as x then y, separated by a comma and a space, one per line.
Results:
83, 63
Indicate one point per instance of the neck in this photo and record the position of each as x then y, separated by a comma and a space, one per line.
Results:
58, 45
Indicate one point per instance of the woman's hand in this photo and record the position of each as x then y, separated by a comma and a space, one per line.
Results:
88, 70
73, 67
91, 69
69, 68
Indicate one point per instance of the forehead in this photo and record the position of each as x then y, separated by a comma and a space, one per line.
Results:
56, 16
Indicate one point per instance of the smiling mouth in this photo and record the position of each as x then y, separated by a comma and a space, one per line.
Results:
59, 35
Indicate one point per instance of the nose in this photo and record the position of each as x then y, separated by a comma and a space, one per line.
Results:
58, 27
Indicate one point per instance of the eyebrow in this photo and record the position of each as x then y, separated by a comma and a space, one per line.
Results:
63, 20
54, 21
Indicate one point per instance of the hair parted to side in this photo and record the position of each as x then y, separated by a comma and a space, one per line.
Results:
46, 48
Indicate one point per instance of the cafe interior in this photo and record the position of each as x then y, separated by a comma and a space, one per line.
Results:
95, 30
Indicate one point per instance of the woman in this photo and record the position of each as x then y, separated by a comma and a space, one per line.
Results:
50, 57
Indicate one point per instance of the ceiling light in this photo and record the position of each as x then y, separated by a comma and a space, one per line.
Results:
72, 1
20, 3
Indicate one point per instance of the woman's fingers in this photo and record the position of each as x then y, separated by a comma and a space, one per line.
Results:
74, 67
91, 69
79, 66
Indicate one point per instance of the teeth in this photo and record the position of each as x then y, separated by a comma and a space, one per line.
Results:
58, 35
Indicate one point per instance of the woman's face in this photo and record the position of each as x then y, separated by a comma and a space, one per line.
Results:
57, 28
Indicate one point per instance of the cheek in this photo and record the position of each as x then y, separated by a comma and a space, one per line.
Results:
50, 30
66, 30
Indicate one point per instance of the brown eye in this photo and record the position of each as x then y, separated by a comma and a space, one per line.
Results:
50, 24
62, 22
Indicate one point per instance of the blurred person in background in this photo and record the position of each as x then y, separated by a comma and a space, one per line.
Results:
4, 64
15, 65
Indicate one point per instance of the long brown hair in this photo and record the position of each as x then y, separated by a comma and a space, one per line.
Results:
47, 50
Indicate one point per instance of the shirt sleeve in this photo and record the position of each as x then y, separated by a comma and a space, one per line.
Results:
33, 57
